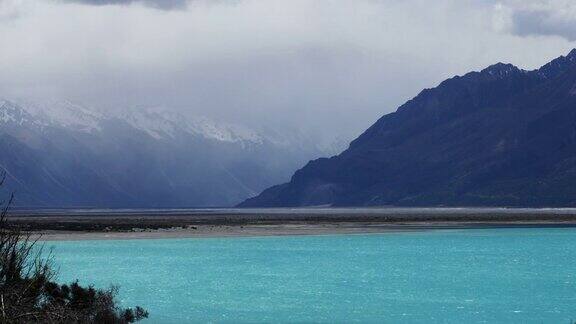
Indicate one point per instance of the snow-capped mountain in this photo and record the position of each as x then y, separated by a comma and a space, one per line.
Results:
160, 123
57, 154
11, 113
62, 114
164, 123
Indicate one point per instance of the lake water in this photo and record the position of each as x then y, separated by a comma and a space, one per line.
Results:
449, 276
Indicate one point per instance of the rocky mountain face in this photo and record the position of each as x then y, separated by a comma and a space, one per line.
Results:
57, 154
499, 137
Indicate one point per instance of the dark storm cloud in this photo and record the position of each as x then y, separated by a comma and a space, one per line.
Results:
160, 4
543, 23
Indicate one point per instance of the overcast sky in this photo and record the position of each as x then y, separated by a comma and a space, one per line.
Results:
328, 65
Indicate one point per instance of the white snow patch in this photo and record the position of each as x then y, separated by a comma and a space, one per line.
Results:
64, 114
163, 123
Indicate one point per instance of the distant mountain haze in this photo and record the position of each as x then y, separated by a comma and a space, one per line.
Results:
499, 137
59, 154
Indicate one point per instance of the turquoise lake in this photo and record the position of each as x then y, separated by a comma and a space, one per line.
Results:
448, 276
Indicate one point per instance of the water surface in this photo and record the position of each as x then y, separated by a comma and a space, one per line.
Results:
450, 276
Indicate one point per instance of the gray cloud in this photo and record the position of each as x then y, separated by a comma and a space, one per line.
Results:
543, 23
540, 17
331, 66
160, 4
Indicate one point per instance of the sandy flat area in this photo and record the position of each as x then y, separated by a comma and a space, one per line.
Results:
114, 225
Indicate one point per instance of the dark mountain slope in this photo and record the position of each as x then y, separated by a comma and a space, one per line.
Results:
502, 136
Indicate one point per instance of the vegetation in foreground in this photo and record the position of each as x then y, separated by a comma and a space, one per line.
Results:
28, 293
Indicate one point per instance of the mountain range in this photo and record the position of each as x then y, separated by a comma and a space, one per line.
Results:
60, 154
502, 136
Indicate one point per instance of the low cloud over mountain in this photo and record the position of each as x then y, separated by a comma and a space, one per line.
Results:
272, 62
59, 154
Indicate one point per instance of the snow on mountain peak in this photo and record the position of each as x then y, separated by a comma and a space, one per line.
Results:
224, 132
14, 114
161, 122
158, 122
64, 114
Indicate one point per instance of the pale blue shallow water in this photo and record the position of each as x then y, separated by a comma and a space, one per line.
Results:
464, 276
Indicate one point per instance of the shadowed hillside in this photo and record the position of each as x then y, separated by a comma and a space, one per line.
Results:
501, 136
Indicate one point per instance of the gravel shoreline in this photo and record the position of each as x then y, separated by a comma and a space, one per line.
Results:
95, 225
